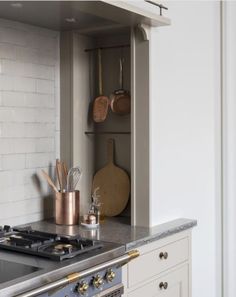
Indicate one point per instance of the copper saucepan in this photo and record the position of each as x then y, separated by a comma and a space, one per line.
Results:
120, 99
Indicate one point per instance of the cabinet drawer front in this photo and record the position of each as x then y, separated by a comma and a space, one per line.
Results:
150, 264
177, 285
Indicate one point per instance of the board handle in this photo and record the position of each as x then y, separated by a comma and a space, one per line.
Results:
110, 150
100, 72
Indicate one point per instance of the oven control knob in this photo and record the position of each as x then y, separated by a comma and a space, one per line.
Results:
97, 281
110, 275
82, 288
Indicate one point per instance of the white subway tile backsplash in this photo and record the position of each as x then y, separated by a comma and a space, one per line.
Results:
18, 146
10, 130
11, 98
27, 115
39, 160
45, 58
13, 194
40, 130
41, 42
11, 178
29, 119
6, 83
19, 193
19, 99
6, 114
7, 51
45, 145
20, 208
39, 71
40, 100
45, 86
57, 122
27, 130
57, 144
10, 67
10, 162
23, 69
13, 36
28, 55
17, 220
24, 84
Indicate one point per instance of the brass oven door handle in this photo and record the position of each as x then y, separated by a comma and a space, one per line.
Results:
120, 261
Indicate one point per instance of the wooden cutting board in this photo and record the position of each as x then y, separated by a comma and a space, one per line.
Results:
114, 185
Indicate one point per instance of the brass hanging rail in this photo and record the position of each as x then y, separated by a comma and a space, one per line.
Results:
158, 5
106, 47
106, 132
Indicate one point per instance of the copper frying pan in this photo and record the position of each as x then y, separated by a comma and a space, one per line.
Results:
101, 103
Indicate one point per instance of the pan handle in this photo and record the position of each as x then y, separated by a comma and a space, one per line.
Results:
100, 72
121, 73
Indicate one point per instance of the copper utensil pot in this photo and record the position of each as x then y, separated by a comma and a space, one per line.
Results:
67, 208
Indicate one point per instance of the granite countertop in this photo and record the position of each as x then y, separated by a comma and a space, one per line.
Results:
118, 230
118, 234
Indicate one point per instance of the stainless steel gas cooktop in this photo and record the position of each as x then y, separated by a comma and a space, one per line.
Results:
10, 270
48, 245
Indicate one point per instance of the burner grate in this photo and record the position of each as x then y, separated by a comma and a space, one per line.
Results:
49, 245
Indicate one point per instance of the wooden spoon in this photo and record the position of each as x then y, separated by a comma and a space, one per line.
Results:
120, 99
59, 174
50, 182
101, 103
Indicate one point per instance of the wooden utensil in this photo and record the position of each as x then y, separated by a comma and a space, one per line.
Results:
114, 185
50, 182
65, 170
120, 99
101, 103
59, 174
62, 173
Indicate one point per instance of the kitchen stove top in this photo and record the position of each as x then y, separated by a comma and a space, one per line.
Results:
11, 270
48, 245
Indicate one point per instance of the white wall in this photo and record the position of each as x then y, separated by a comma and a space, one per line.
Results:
185, 86
229, 111
29, 117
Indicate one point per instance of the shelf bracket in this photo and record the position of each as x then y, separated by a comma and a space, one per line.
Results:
145, 30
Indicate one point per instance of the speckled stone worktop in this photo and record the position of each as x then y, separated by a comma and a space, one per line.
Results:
118, 230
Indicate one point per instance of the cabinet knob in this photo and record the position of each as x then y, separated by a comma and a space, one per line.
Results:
163, 255
163, 285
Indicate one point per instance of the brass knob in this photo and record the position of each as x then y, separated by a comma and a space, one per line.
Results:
163, 255
110, 275
163, 285
82, 288
97, 281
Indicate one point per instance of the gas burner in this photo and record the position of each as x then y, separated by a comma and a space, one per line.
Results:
49, 245
59, 248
